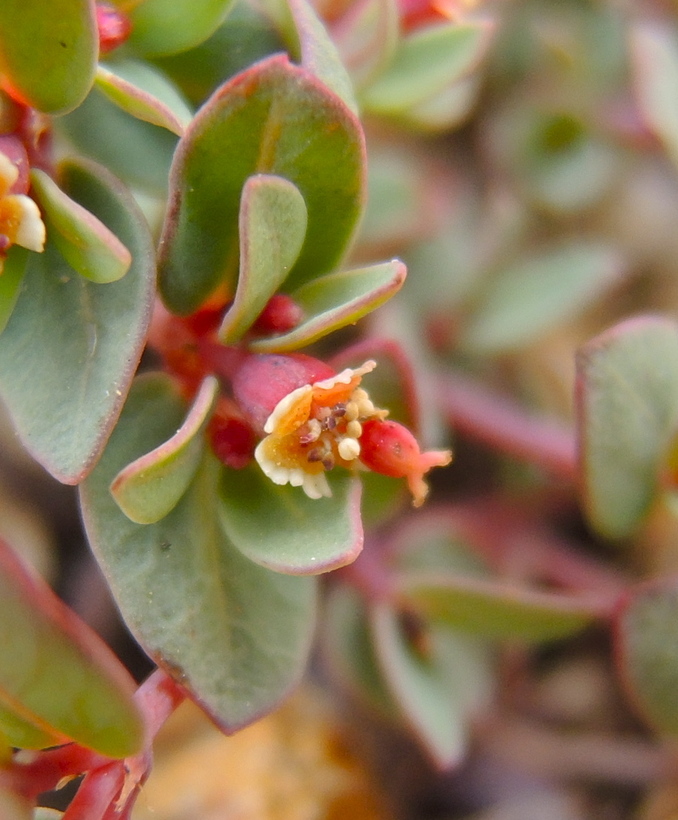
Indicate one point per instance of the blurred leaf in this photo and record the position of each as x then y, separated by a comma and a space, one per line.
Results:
232, 633
70, 350
246, 36
627, 411
437, 686
84, 241
144, 93
170, 26
367, 36
446, 108
646, 637
150, 487
26, 732
138, 152
532, 295
426, 63
290, 127
347, 644
48, 51
10, 282
336, 300
283, 529
272, 227
655, 61
319, 54
57, 674
494, 608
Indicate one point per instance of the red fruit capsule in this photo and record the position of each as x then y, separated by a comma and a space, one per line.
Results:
113, 26
389, 448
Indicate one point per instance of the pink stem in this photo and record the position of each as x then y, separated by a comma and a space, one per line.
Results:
97, 792
499, 422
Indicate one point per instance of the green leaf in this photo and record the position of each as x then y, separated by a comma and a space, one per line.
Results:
646, 637
627, 415
336, 300
272, 227
138, 152
283, 529
150, 487
70, 350
347, 645
170, 26
57, 674
25, 732
144, 93
426, 63
48, 51
439, 688
232, 633
534, 294
84, 241
290, 126
494, 608
319, 54
10, 282
654, 49
446, 108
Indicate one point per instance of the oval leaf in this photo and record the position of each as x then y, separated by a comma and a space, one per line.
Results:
150, 487
438, 688
627, 414
48, 51
144, 93
83, 240
58, 673
290, 126
272, 227
531, 296
283, 529
646, 637
496, 609
234, 634
170, 26
426, 63
367, 37
70, 350
11, 277
337, 300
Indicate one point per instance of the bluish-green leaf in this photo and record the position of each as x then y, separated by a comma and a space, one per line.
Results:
170, 26
48, 51
84, 241
138, 152
274, 118
231, 632
532, 295
283, 529
272, 227
646, 638
150, 487
627, 415
336, 300
71, 347
58, 675
494, 608
438, 686
427, 62
145, 93
10, 282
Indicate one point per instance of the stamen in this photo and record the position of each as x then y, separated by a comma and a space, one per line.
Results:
349, 449
328, 462
354, 429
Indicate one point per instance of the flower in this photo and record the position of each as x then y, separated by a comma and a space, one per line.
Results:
20, 221
317, 424
314, 428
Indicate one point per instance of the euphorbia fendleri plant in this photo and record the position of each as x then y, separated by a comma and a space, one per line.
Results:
207, 325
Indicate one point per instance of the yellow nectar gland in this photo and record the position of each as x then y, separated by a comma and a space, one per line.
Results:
315, 428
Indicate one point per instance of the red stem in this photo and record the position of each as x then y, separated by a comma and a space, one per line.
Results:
97, 792
499, 422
